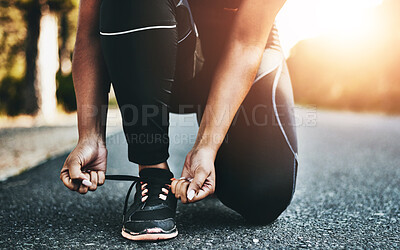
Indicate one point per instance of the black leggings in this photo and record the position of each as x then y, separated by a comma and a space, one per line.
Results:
157, 65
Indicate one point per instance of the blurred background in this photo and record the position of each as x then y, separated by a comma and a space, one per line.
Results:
342, 54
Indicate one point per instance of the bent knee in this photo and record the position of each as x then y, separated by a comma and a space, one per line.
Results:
263, 214
258, 207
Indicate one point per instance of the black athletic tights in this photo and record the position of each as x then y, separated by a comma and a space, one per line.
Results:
157, 65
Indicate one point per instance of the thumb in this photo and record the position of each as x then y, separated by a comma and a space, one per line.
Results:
76, 173
196, 184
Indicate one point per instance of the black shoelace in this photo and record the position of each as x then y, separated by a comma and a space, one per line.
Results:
152, 186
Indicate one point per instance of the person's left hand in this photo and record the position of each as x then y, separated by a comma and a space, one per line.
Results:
198, 176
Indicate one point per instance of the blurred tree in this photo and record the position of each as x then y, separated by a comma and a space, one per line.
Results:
65, 92
65, 89
13, 42
32, 14
12, 58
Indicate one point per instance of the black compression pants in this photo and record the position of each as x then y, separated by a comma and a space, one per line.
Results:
152, 52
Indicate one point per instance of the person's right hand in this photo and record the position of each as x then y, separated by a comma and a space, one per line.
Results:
86, 164
198, 176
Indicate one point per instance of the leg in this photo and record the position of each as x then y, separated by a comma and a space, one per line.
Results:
185, 98
256, 165
139, 41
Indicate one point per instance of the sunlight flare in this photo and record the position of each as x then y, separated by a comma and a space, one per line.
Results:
346, 19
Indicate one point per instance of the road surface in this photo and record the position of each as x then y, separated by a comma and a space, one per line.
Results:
347, 196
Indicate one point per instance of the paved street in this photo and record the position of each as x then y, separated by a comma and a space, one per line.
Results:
348, 195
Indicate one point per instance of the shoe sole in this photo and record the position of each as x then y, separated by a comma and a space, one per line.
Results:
149, 236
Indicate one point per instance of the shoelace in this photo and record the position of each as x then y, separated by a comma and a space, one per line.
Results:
135, 180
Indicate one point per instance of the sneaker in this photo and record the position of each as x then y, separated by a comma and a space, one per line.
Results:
152, 215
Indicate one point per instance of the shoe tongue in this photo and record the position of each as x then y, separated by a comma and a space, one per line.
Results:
156, 172
156, 179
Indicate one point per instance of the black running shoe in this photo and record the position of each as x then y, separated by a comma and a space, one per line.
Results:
152, 214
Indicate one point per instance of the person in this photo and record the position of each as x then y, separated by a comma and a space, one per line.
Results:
218, 58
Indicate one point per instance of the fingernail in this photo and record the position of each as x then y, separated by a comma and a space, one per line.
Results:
190, 195
86, 183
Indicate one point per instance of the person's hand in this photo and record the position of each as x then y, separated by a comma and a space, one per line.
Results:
85, 167
198, 176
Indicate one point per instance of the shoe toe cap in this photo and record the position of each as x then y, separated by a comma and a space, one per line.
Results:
138, 226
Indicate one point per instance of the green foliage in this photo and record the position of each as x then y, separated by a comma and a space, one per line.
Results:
112, 102
12, 37
17, 70
10, 96
65, 92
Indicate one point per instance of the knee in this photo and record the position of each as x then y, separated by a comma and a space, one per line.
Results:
264, 211
258, 206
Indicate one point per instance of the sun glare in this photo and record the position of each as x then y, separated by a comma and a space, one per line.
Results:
344, 19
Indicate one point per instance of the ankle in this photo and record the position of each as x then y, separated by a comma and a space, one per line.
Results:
163, 165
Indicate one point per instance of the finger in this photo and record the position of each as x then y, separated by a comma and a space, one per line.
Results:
173, 186
83, 189
183, 191
68, 181
200, 195
178, 188
93, 180
197, 183
207, 189
101, 178
75, 172
186, 178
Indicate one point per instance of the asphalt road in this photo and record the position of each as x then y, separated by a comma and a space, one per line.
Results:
348, 196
